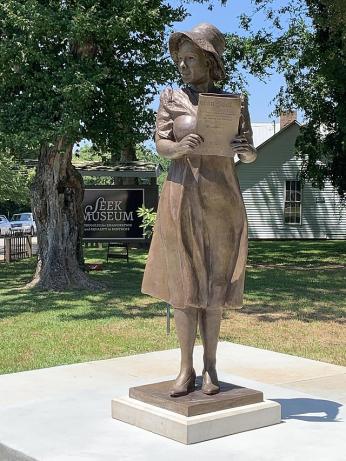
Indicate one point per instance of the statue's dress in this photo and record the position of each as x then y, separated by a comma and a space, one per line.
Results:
198, 251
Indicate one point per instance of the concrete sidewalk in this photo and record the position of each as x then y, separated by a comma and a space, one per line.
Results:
63, 413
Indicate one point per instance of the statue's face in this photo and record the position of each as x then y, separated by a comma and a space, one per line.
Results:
192, 63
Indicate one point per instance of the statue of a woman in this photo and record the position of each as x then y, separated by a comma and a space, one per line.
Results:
198, 253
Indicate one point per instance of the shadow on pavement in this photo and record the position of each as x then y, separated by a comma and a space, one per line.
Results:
312, 410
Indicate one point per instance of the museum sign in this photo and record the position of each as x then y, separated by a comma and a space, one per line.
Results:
110, 213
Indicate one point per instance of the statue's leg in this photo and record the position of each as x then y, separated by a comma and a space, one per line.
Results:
186, 325
209, 327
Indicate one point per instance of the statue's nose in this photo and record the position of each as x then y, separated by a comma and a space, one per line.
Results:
182, 64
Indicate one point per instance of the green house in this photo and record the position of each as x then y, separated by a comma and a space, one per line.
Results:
278, 205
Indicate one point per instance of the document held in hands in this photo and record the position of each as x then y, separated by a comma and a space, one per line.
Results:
218, 118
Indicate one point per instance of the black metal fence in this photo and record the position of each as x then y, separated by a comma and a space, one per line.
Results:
17, 246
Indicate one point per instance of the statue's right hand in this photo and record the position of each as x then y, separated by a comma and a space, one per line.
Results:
187, 145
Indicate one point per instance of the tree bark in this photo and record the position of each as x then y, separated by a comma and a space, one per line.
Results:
57, 195
128, 154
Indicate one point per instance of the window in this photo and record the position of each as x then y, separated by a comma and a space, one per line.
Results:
293, 202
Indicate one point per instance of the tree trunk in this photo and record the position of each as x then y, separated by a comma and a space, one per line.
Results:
128, 154
57, 194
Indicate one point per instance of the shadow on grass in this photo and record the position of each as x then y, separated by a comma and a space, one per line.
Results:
121, 297
282, 294
270, 294
305, 252
149, 311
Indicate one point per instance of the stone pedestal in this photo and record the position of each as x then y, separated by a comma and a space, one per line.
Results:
195, 417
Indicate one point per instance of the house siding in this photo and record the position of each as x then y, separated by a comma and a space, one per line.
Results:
263, 184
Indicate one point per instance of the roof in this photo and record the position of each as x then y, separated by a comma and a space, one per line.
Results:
275, 135
136, 169
262, 131
278, 133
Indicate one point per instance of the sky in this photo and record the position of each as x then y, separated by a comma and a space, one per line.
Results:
226, 18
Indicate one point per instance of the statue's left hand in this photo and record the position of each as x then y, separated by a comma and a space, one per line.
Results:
245, 151
240, 145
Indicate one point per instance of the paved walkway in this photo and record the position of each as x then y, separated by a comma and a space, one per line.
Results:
63, 413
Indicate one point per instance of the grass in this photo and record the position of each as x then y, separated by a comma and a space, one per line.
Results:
295, 300
294, 303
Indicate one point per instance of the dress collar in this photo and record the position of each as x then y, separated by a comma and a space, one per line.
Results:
194, 94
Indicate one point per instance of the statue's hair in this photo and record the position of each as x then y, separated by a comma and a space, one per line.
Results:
216, 74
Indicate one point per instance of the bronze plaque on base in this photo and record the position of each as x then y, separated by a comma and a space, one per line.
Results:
195, 403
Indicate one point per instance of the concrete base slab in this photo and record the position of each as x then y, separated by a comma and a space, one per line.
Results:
63, 413
194, 429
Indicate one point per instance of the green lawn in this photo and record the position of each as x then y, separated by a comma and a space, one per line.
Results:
294, 303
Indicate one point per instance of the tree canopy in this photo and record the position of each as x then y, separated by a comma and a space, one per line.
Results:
305, 40
14, 181
85, 69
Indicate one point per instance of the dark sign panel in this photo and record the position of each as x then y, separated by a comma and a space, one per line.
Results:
111, 214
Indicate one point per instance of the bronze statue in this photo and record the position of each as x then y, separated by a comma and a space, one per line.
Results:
197, 257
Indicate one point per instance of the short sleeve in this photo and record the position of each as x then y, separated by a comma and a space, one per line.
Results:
164, 119
245, 123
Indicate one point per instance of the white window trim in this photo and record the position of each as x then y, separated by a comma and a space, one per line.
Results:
301, 204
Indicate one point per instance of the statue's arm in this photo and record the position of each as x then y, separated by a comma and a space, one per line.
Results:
166, 145
242, 145
173, 150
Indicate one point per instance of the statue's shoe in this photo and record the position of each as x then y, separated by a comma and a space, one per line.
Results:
179, 390
210, 384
